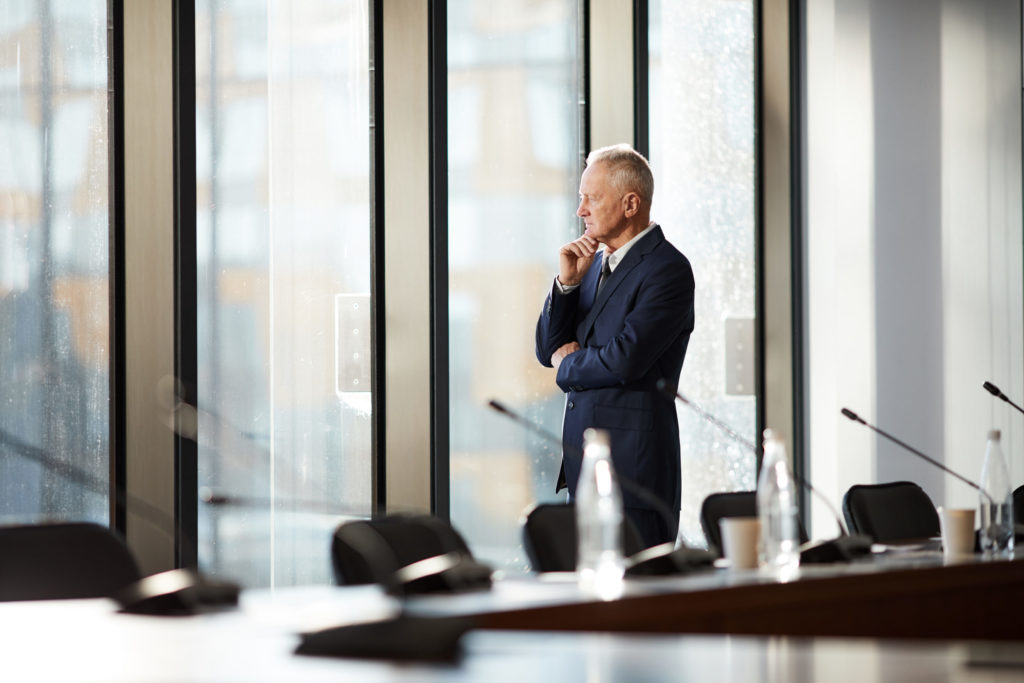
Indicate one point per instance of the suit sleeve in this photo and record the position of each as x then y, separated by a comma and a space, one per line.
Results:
556, 325
662, 310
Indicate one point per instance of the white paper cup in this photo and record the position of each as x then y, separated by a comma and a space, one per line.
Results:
739, 540
957, 525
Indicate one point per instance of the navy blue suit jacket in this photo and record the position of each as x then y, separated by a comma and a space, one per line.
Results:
632, 334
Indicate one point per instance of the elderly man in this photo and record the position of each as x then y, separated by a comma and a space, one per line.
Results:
617, 321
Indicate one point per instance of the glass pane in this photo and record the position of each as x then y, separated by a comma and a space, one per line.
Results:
702, 154
54, 226
514, 161
283, 229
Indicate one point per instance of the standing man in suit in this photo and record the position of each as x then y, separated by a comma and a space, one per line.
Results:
612, 338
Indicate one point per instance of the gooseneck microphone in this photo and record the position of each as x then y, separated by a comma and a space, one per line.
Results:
627, 483
77, 475
671, 393
216, 498
994, 390
857, 418
660, 559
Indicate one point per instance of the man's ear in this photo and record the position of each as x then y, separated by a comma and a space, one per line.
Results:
631, 204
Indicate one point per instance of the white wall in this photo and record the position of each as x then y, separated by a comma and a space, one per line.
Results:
913, 239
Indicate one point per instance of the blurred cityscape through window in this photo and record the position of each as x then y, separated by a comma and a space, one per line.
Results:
283, 258
54, 261
514, 155
283, 255
702, 153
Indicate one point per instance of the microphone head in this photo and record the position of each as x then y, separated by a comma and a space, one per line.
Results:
497, 406
992, 389
852, 415
207, 495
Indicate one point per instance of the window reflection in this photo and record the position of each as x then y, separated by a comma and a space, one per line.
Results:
54, 338
514, 161
702, 153
283, 227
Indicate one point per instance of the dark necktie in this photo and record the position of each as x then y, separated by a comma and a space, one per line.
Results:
606, 270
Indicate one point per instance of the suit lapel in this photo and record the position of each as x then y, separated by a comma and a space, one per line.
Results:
633, 259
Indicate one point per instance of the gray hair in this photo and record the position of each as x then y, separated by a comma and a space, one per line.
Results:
628, 170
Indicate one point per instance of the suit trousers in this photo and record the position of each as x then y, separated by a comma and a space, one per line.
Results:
652, 525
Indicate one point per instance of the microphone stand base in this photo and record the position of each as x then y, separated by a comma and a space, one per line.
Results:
841, 549
665, 560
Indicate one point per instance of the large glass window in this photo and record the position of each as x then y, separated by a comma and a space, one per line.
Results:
283, 254
514, 161
54, 227
702, 153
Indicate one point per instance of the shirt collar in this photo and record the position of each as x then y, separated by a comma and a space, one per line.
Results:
615, 258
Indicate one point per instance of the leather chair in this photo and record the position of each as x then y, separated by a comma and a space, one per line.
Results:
892, 512
718, 506
405, 554
549, 537
60, 561
1018, 506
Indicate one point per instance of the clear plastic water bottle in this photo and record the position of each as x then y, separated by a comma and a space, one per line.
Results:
996, 508
779, 545
599, 561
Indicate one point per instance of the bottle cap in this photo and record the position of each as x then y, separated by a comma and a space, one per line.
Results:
994, 434
596, 436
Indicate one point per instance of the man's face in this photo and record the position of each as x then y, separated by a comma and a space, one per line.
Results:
602, 209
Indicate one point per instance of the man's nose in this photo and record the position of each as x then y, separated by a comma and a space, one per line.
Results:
580, 210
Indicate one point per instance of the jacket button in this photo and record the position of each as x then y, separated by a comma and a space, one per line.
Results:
570, 406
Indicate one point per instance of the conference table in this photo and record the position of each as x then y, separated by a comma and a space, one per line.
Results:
901, 593
717, 625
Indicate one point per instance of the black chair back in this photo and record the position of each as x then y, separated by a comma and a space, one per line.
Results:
892, 512
1018, 505
549, 537
63, 561
372, 550
718, 506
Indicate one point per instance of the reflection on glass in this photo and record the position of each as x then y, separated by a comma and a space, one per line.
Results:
283, 226
54, 338
702, 154
514, 161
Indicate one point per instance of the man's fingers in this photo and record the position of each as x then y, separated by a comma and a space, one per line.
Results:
575, 258
587, 245
584, 247
572, 249
565, 349
578, 250
561, 352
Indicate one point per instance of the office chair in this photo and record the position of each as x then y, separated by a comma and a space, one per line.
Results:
891, 512
63, 561
405, 554
1018, 506
718, 506
549, 537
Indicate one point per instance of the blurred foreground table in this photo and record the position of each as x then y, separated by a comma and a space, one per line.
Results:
88, 641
